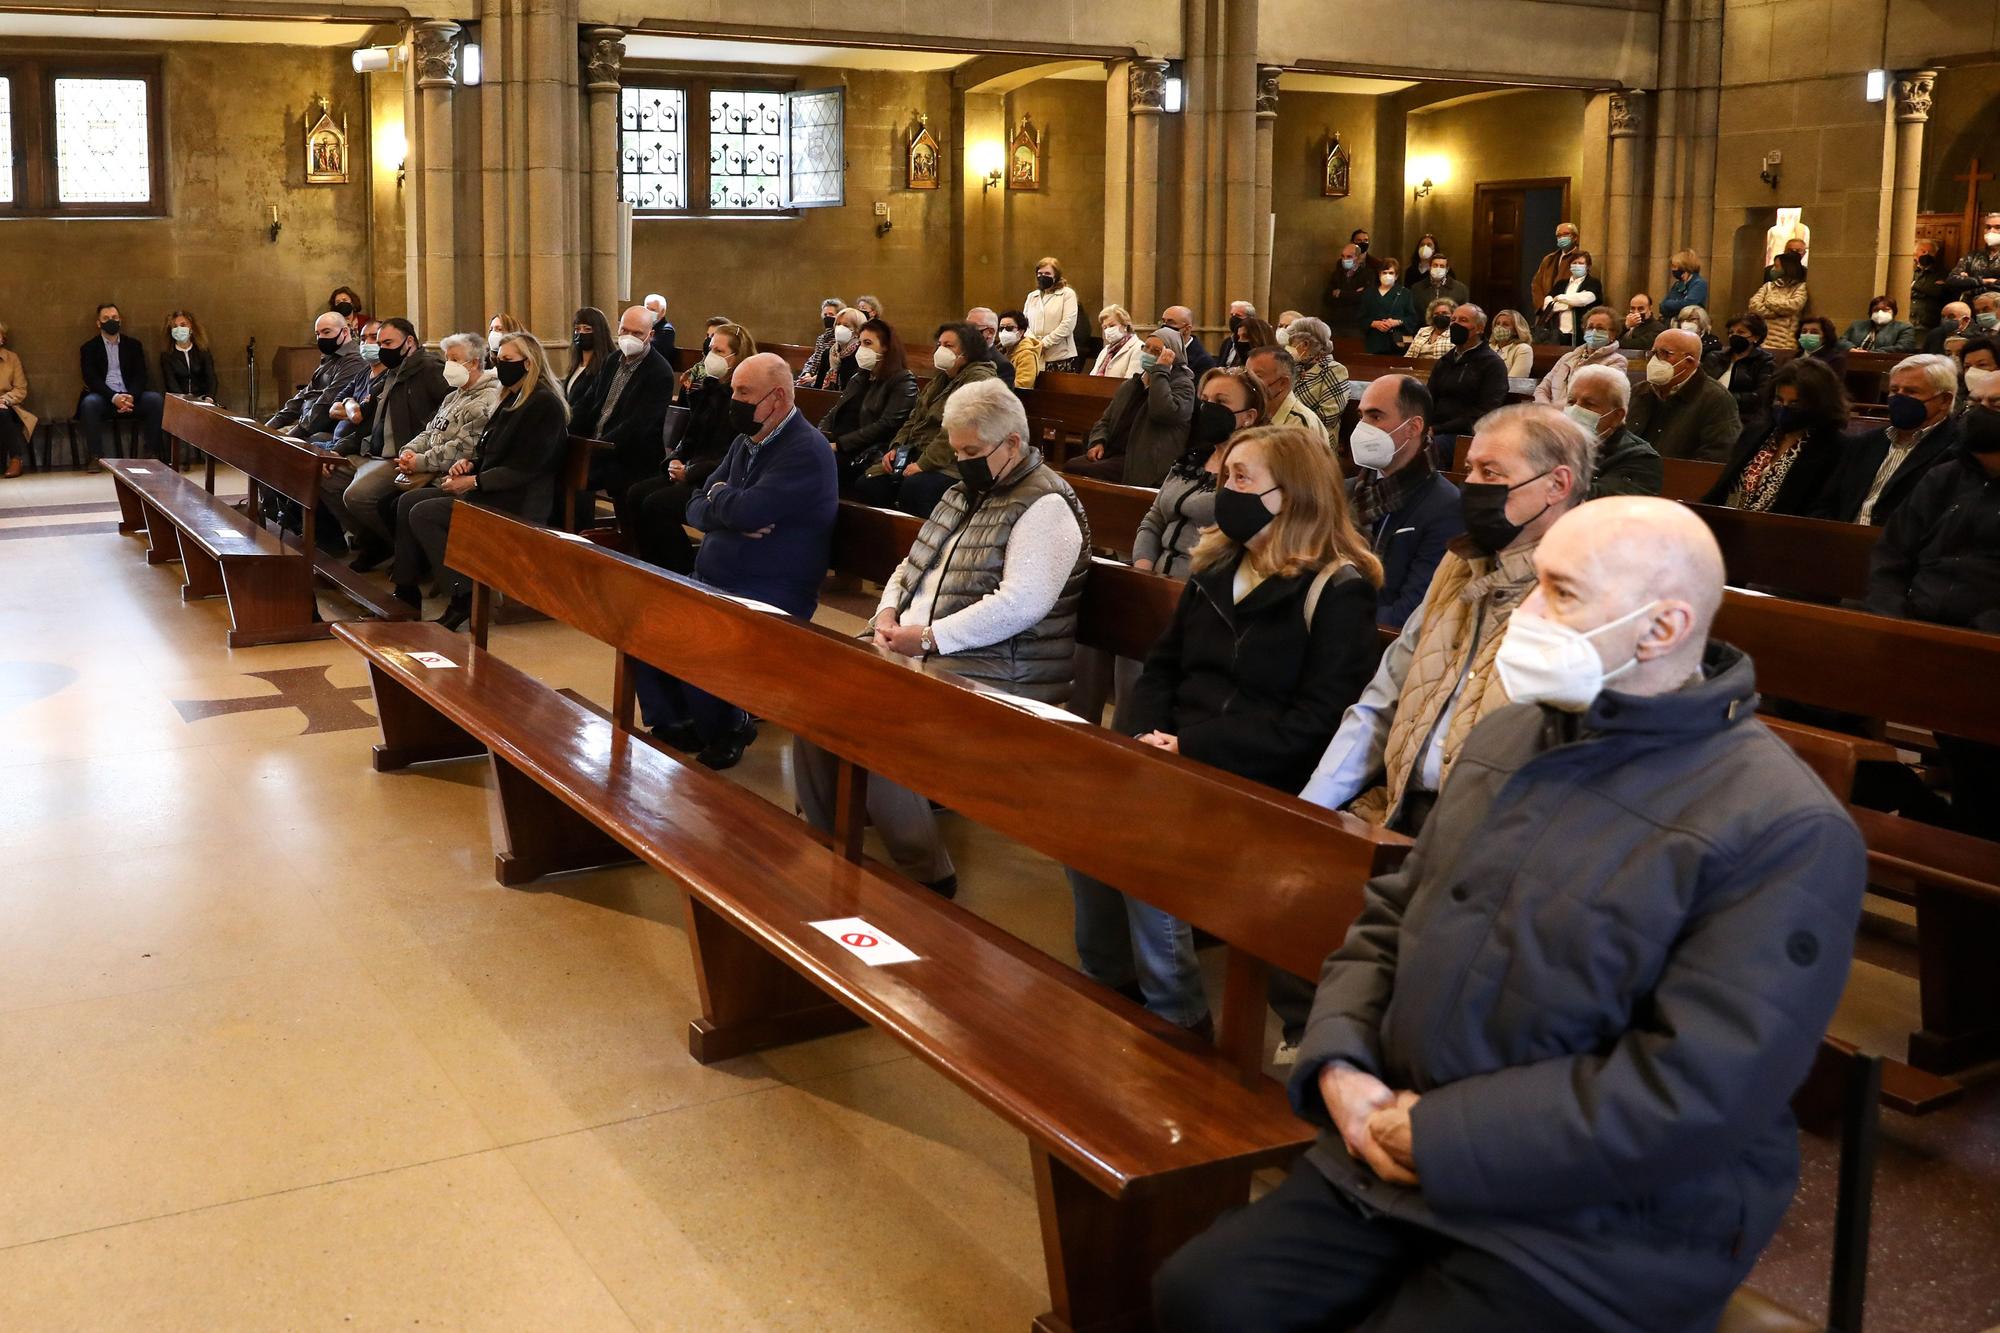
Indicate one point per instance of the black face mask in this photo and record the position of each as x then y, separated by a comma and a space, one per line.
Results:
1979, 433
110, 327
583, 342
977, 474
329, 346
391, 357
1241, 514
343, 308
1440, 321
1738, 344
1460, 335
743, 416
827, 320
1484, 505
1213, 423
510, 372
1045, 281
1362, 246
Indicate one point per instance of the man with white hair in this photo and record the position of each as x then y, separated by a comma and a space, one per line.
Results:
1277, 370
1553, 1059
990, 591
1954, 327
1468, 381
988, 323
1600, 398
1681, 412
766, 516
638, 389
663, 332
1878, 470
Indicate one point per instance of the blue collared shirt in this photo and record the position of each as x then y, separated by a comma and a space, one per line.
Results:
114, 374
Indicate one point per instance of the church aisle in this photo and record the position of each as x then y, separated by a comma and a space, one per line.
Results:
286, 1056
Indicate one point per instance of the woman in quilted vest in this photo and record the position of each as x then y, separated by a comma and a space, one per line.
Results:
1273, 639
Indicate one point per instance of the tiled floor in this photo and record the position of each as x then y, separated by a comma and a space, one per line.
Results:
281, 1054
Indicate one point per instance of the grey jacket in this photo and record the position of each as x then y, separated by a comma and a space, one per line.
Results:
1147, 422
456, 426
310, 408
1605, 968
971, 537
1170, 529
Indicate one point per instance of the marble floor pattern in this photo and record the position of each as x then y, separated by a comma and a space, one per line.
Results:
281, 1054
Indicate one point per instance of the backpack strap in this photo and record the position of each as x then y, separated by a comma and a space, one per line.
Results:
1328, 574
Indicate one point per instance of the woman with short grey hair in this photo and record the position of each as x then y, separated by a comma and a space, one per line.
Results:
1322, 379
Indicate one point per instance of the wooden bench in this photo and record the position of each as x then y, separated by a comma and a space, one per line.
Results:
221, 553
1140, 1134
1685, 479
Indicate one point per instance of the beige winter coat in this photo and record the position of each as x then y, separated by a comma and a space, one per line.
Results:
14, 389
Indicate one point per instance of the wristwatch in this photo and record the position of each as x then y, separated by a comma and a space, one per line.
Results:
929, 640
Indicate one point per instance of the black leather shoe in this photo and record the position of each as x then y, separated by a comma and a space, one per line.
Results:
457, 613
410, 597
370, 559
678, 736
943, 888
726, 751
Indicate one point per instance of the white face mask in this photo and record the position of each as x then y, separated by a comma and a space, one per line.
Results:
1689, 326
1658, 373
1543, 662
1992, 239
1284, 332
1882, 316
183, 334
717, 366
630, 345
1977, 380
1387, 280
1008, 337
1579, 270
1425, 252
842, 335
867, 357
493, 337
456, 375
1583, 417
1438, 274
945, 360
1372, 447
1116, 333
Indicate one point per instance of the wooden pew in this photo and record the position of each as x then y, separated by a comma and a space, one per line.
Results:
1114, 512
1805, 558
1141, 1136
1686, 480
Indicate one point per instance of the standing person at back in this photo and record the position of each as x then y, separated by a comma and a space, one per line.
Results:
1052, 315
1553, 271
1783, 300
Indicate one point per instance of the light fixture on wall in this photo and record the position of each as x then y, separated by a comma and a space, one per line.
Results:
393, 150
1175, 91
1769, 175
1425, 173
1878, 84
375, 59
1424, 187
276, 226
988, 158
470, 64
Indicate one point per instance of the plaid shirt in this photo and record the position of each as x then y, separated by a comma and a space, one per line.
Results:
1322, 387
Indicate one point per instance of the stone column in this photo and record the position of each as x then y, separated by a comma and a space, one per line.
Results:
1118, 184
1267, 130
1148, 103
1237, 116
1627, 114
603, 53
1913, 109
430, 185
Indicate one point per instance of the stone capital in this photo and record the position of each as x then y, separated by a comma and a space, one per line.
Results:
434, 51
1913, 94
1149, 86
1267, 91
1628, 113
603, 58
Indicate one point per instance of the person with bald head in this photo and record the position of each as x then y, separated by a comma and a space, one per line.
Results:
663, 331
1553, 1060
1181, 320
1679, 410
309, 412
635, 388
766, 516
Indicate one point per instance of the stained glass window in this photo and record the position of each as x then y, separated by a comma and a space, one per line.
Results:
746, 151
818, 148
6, 141
652, 142
103, 142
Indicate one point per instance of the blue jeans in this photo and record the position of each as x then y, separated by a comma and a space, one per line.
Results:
1119, 939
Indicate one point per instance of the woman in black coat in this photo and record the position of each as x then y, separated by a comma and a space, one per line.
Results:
1784, 457
186, 365
876, 397
592, 347
1273, 639
1743, 366
656, 507
512, 469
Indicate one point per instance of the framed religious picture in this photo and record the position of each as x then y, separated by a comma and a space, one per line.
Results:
1339, 169
924, 156
326, 147
1024, 158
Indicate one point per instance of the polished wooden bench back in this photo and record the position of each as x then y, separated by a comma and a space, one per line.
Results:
1274, 877
272, 460
1687, 479
1114, 512
1807, 558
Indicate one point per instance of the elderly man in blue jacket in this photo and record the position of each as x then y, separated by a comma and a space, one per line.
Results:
766, 517
1554, 1057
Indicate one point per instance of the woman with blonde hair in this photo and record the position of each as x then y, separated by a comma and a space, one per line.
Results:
1122, 346
1052, 316
499, 327
1687, 288
1273, 639
1510, 336
512, 469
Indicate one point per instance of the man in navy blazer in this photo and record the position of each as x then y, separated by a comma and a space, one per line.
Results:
1409, 512
767, 519
114, 385
1878, 470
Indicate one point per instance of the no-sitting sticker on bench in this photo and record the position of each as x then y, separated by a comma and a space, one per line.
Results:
434, 660
864, 941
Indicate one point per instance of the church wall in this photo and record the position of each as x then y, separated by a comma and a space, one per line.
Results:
1147, 27
1066, 217
1613, 42
235, 146
1525, 135
1311, 228
1965, 123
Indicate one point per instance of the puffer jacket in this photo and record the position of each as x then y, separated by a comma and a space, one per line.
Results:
1604, 969
1939, 559
1172, 527
456, 426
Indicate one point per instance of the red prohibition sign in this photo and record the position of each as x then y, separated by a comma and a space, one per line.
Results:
858, 940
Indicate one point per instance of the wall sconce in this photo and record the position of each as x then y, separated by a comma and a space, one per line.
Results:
276, 226
1425, 173
1769, 175
375, 59
1425, 187
393, 150
988, 158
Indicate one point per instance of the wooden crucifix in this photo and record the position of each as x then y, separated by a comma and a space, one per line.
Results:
1972, 176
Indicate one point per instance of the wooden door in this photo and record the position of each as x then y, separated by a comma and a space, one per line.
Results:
1513, 226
